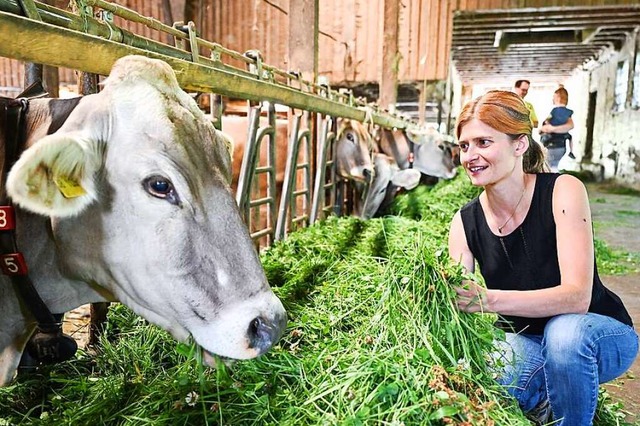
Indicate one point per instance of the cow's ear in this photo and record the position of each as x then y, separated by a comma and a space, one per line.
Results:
407, 179
55, 176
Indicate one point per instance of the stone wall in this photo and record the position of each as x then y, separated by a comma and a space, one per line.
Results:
615, 151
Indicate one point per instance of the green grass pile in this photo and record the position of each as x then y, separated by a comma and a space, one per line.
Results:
373, 338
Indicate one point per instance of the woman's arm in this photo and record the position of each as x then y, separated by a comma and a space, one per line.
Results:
471, 297
574, 235
458, 247
563, 128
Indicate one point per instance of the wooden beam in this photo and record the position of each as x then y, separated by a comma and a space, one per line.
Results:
303, 38
491, 27
390, 55
545, 13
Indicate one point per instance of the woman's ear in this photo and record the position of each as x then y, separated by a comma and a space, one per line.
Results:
522, 144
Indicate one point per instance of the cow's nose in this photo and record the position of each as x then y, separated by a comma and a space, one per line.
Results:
368, 174
263, 333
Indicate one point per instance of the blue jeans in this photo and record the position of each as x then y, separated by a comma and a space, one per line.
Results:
553, 157
566, 364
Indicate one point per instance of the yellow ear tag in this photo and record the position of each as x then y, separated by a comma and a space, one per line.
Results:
69, 187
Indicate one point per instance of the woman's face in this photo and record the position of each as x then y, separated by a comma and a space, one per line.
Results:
486, 154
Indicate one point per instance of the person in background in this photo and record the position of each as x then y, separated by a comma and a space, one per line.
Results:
531, 234
521, 88
555, 129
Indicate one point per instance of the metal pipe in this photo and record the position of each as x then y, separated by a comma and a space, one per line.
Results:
51, 44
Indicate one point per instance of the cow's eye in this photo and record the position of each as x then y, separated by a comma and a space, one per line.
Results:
350, 137
161, 187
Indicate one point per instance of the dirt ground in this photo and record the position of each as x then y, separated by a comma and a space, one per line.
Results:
616, 221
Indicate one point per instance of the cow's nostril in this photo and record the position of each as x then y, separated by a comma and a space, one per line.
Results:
264, 333
367, 174
256, 326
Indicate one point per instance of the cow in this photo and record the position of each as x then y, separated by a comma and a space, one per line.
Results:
376, 177
387, 181
236, 127
354, 146
129, 200
432, 156
352, 155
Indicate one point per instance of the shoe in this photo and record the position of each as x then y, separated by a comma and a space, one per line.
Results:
573, 157
541, 415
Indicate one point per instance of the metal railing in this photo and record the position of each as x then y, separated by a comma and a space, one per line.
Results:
89, 41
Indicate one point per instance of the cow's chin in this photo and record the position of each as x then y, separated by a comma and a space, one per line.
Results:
213, 360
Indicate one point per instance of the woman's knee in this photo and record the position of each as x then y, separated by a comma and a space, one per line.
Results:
567, 334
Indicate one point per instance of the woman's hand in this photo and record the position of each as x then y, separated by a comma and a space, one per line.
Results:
472, 297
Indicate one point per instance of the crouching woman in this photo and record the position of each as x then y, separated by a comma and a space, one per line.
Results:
530, 233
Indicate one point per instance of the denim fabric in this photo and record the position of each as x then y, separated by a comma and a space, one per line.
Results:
566, 365
553, 157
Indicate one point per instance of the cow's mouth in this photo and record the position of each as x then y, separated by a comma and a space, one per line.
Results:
212, 360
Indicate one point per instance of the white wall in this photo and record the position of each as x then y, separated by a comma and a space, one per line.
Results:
616, 135
616, 145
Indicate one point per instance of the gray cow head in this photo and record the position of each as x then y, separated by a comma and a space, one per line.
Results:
387, 181
136, 186
432, 153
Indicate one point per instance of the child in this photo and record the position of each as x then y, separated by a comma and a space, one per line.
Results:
559, 115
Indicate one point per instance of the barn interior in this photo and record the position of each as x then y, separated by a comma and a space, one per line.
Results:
419, 59
425, 58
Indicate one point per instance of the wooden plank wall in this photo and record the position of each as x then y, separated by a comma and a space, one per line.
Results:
350, 40
12, 71
11, 77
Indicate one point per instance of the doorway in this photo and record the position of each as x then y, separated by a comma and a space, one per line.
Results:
591, 117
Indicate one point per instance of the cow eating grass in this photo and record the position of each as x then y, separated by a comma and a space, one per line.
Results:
433, 155
129, 201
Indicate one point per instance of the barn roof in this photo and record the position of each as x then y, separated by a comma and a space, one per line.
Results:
537, 43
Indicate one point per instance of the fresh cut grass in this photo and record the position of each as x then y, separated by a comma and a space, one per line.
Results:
373, 338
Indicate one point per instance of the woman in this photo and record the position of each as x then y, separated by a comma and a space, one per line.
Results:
531, 234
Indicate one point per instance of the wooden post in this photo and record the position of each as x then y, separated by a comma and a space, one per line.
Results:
167, 14
32, 73
303, 38
51, 80
303, 58
390, 55
87, 83
422, 104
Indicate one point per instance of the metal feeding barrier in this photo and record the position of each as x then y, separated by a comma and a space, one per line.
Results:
39, 33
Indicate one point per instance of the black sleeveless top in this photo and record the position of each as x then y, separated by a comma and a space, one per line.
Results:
527, 259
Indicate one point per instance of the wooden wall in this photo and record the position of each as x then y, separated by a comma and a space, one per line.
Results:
350, 39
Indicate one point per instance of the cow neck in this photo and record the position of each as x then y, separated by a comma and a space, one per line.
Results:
11, 259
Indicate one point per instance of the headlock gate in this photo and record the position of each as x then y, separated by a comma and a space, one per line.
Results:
89, 41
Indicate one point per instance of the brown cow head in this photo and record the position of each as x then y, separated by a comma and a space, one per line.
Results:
353, 151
